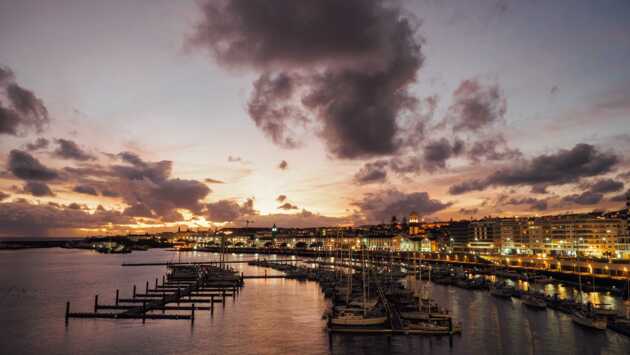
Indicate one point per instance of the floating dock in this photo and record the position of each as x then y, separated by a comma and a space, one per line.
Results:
190, 285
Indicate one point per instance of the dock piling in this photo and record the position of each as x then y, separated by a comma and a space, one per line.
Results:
117, 296
134, 291
192, 314
95, 303
212, 305
450, 332
67, 311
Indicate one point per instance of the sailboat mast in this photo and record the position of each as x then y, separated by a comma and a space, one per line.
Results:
363, 274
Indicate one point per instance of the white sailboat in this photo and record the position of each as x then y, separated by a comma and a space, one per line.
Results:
587, 318
362, 316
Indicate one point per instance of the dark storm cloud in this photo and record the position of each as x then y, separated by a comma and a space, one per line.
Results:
270, 109
604, 186
213, 181
492, 149
469, 211
381, 206
25, 112
621, 197
404, 165
585, 198
436, 153
281, 198
476, 106
229, 211
565, 166
283, 165
40, 143
37, 189
288, 206
26, 167
138, 210
534, 203
24, 219
68, 149
85, 189
138, 169
372, 172
344, 65
178, 193
110, 193
143, 185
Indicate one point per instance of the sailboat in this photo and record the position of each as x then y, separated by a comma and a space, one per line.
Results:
362, 316
587, 318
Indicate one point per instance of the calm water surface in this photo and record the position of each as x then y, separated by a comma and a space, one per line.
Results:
272, 316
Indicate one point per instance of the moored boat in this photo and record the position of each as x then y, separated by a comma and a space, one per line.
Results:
589, 320
534, 301
348, 318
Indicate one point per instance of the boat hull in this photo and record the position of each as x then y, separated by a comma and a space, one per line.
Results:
358, 321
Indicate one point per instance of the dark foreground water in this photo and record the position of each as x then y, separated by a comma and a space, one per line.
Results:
268, 317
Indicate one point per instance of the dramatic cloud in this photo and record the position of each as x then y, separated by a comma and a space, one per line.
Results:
144, 185
138, 210
177, 193
68, 149
156, 172
469, 211
371, 173
283, 165
3, 196
26, 167
110, 193
404, 165
565, 166
621, 197
281, 198
213, 181
341, 67
85, 189
380, 207
38, 189
476, 107
25, 112
270, 110
25, 219
604, 186
585, 198
40, 143
288, 206
534, 203
493, 149
436, 153
229, 211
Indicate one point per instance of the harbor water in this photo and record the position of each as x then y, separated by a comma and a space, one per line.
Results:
269, 316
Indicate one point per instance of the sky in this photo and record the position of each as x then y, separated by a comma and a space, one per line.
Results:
139, 116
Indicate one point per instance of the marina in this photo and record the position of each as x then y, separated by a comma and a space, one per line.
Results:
271, 303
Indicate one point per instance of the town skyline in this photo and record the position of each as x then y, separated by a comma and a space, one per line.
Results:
490, 108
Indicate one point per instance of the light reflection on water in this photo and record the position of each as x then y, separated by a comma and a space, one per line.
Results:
271, 316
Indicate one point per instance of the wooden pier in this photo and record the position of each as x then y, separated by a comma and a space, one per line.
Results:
189, 285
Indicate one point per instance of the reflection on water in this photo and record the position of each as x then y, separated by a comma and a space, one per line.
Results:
273, 316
